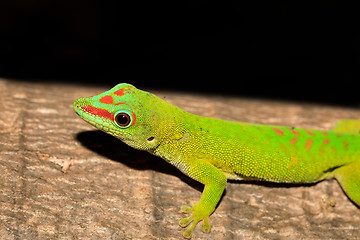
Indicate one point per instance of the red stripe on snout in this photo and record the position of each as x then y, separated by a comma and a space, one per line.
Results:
98, 112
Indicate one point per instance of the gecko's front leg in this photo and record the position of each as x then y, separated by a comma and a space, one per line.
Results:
214, 181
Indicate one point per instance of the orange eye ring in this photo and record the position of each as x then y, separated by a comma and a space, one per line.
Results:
123, 119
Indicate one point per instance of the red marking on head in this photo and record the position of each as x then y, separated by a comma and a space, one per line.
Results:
293, 141
324, 133
119, 103
278, 131
309, 132
346, 144
120, 92
308, 144
295, 132
98, 112
107, 99
133, 118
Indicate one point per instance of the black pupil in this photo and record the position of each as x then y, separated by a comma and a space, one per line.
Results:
122, 119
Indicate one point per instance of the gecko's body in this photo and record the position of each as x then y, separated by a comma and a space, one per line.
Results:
212, 150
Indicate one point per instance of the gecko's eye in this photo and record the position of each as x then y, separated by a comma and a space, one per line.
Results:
123, 119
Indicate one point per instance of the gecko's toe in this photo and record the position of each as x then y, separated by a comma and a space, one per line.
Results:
206, 225
187, 233
184, 222
186, 209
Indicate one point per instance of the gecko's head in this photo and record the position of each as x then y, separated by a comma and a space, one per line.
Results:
136, 117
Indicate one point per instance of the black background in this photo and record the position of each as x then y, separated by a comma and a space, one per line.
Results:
297, 50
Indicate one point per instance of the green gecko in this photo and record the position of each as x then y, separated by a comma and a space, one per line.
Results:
212, 150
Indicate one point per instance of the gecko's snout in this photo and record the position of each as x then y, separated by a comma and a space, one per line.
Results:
79, 104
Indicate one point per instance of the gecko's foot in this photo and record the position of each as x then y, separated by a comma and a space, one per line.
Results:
198, 214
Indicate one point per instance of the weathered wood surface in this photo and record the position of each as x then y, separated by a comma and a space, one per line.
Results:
62, 179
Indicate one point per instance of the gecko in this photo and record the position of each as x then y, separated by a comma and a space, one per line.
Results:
211, 151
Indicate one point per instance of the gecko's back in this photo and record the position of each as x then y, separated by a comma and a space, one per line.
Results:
274, 153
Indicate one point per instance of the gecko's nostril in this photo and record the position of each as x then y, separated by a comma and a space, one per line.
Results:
79, 103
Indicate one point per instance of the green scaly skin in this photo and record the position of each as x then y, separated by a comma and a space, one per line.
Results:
212, 150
